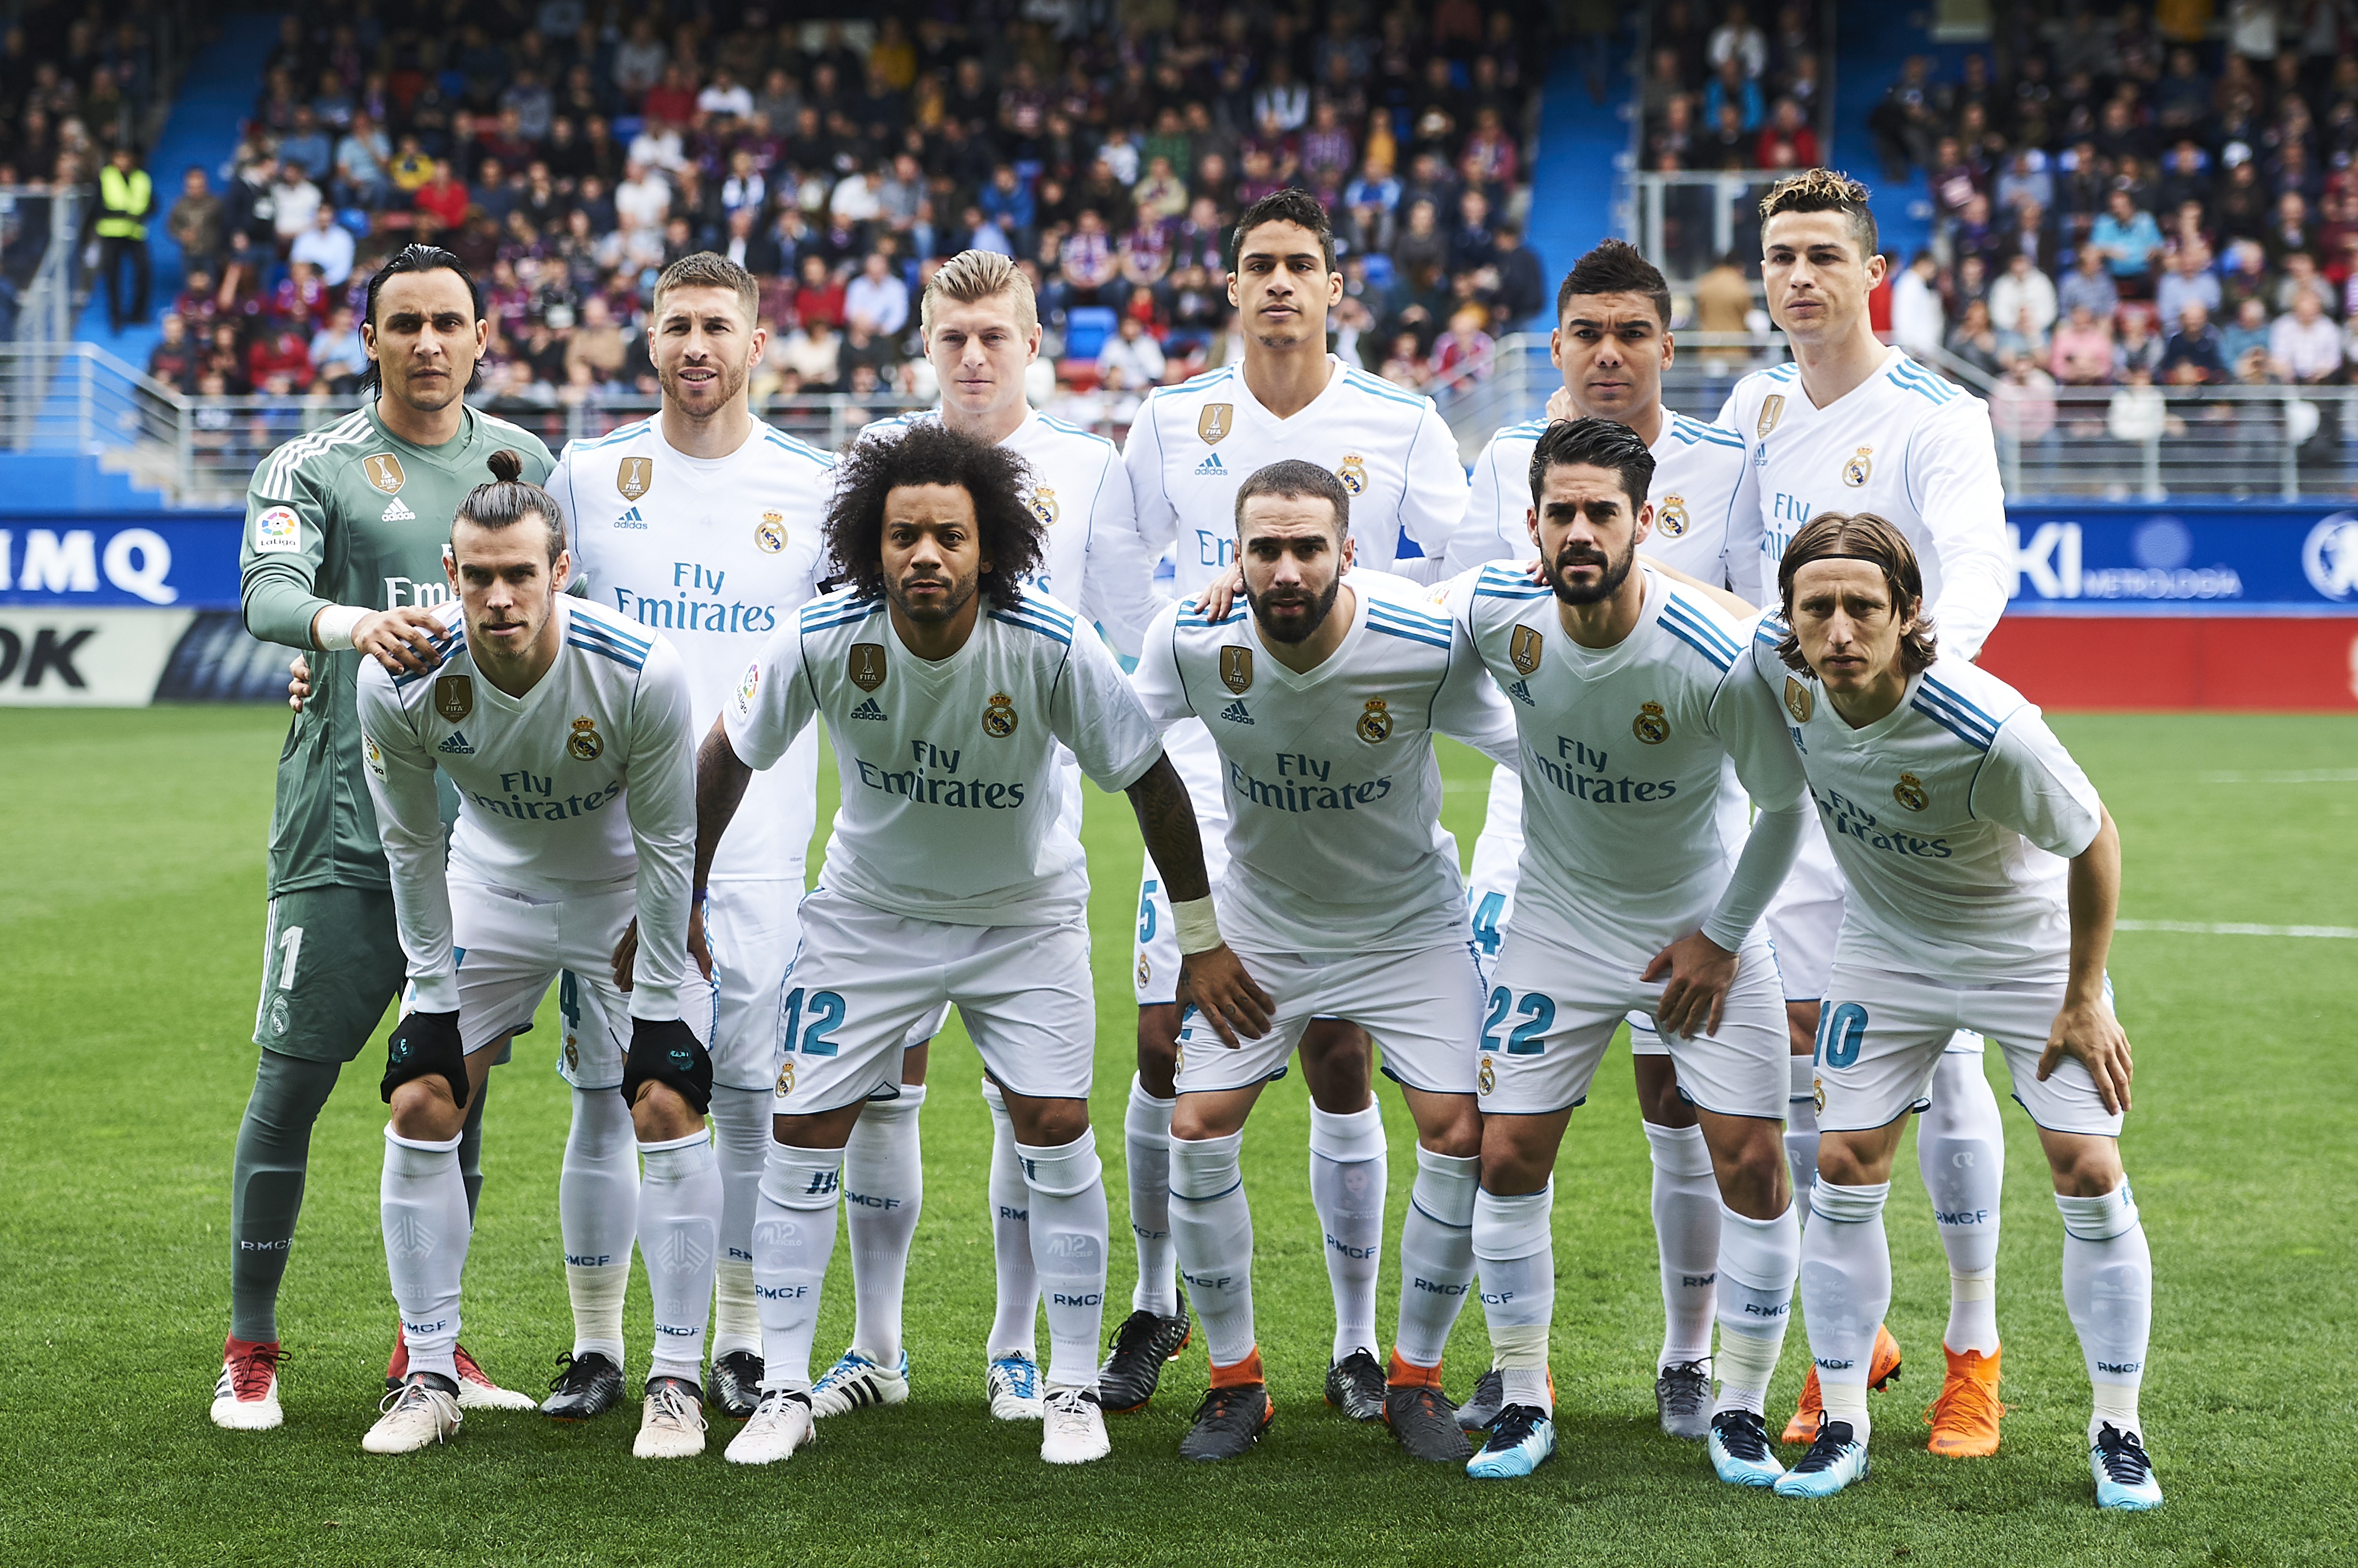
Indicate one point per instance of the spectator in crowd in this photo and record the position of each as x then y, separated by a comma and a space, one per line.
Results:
2129, 240
1974, 341
877, 302
195, 221
2193, 355
173, 361
2188, 280
2022, 404
1916, 313
2246, 329
2090, 283
125, 197
2020, 289
326, 245
1131, 354
2305, 344
2080, 354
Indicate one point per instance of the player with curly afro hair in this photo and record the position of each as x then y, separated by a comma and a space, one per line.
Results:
1011, 537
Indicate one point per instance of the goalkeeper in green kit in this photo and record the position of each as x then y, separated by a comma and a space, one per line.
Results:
343, 558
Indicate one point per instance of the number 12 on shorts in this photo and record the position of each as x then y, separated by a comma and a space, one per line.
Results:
1841, 1031
1527, 1038
825, 1015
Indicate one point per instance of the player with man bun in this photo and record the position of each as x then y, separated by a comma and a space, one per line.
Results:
1985, 875
341, 556
1851, 423
567, 731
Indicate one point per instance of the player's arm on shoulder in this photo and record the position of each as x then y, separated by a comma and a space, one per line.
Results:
1159, 689
1433, 497
1952, 468
660, 778
1469, 706
1118, 582
400, 772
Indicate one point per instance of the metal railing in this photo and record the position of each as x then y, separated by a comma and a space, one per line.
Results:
40, 261
1685, 222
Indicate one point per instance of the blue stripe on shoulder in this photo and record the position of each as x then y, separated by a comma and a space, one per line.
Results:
607, 650
1193, 621
798, 448
1054, 423
1694, 430
1978, 741
1376, 387
1686, 615
1060, 635
1951, 694
1407, 633
1720, 659
620, 433
442, 651
1484, 591
634, 641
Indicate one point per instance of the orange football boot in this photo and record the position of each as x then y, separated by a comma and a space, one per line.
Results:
1881, 1369
1964, 1418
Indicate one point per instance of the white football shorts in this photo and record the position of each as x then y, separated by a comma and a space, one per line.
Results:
511, 944
1155, 953
1422, 1007
1805, 916
1490, 892
1553, 1007
865, 978
751, 928
1881, 1037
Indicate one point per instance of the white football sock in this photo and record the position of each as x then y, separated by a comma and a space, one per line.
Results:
1016, 1311
680, 1225
1437, 1254
1686, 1239
794, 1237
422, 1206
1146, 1148
883, 1190
1845, 1291
740, 1141
2108, 1290
1347, 1188
1802, 1133
1211, 1227
598, 1213
1961, 1150
1515, 1250
1759, 1260
1068, 1249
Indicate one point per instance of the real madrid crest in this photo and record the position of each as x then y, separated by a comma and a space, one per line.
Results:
1523, 648
1860, 464
1375, 723
1353, 473
999, 718
1650, 725
1145, 970
770, 533
1672, 518
1798, 701
1772, 409
635, 477
454, 696
572, 1055
1236, 669
1044, 506
585, 741
1487, 1078
1818, 1093
1909, 793
384, 471
865, 667
1214, 422
785, 1077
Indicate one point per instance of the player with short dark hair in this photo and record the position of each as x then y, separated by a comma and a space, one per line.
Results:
955, 874
341, 556
567, 732
1985, 877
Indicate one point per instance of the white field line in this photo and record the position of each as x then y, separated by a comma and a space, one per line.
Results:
2235, 928
2295, 776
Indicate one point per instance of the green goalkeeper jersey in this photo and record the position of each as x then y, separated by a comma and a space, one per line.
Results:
350, 514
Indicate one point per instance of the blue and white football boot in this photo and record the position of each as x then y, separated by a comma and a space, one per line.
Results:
1522, 1439
2124, 1474
1739, 1447
856, 1383
1834, 1460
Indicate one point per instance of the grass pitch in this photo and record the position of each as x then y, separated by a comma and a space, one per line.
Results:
131, 911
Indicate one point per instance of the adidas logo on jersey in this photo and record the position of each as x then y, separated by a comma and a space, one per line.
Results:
630, 519
1521, 692
1235, 714
457, 744
394, 512
868, 709
1211, 465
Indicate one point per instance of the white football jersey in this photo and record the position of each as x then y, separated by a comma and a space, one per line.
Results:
1080, 493
716, 553
1191, 445
1906, 445
1334, 796
951, 786
1632, 823
1698, 469
586, 781
1954, 819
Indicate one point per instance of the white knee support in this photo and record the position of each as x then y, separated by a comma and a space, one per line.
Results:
1205, 1168
1064, 1169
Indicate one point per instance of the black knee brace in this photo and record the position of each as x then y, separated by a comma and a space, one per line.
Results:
666, 1050
422, 1045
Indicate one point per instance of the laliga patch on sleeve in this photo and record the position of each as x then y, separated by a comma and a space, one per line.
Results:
375, 758
277, 529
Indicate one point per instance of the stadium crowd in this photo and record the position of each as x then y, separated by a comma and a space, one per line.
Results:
568, 159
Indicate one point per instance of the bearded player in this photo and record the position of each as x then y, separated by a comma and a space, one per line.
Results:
1190, 447
1849, 423
1612, 341
341, 556
981, 328
706, 525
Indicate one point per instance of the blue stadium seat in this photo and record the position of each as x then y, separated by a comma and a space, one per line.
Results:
1087, 327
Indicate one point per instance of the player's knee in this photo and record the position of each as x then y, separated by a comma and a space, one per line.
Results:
2086, 1167
1512, 1160
662, 1112
1158, 1048
667, 1052
1050, 1123
425, 1076
1801, 1027
1338, 1065
1845, 1163
423, 1110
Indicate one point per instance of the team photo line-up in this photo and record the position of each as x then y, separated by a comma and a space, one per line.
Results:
1752, 794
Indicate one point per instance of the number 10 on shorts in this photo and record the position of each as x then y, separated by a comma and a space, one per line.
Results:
1841, 1030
